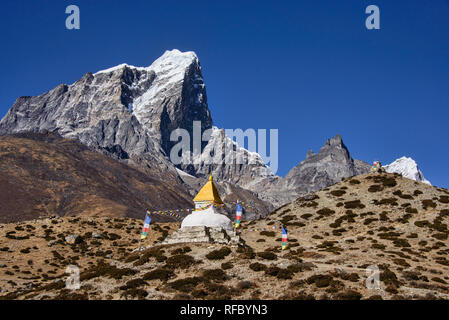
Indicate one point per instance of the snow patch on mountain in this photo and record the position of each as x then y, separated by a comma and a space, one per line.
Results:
183, 173
408, 168
118, 67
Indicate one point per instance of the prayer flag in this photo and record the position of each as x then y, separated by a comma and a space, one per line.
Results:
238, 215
284, 238
146, 227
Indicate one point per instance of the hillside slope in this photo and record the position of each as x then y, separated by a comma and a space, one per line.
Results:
397, 224
44, 174
383, 220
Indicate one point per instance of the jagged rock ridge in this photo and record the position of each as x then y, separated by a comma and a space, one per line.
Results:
332, 163
327, 167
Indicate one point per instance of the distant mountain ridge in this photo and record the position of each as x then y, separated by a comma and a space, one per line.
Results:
332, 163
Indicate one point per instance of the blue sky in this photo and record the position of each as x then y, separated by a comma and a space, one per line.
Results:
308, 68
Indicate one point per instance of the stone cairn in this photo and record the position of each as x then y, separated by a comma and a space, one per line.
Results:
203, 234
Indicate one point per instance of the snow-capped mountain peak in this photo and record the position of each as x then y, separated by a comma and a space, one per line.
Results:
408, 168
172, 60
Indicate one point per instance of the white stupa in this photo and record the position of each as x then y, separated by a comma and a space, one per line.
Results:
207, 211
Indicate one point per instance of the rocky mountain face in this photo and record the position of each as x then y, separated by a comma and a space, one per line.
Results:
124, 111
228, 162
332, 163
128, 113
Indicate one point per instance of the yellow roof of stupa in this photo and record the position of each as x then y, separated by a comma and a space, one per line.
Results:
209, 192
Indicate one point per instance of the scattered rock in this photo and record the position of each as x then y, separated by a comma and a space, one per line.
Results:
96, 235
52, 242
73, 239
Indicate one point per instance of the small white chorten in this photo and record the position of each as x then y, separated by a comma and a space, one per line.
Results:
206, 212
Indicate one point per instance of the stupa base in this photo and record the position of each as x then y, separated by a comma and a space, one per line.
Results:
196, 234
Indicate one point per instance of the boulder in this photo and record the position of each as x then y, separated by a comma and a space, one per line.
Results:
73, 239
96, 235
51, 243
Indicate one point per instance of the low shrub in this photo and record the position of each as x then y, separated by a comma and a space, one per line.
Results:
383, 216
391, 201
186, 284
353, 277
401, 243
103, 269
268, 233
401, 262
256, 266
439, 280
144, 257
348, 295
181, 250
337, 193
354, 204
267, 255
389, 182
428, 204
422, 223
440, 236
160, 273
325, 212
389, 278
219, 254
378, 246
244, 285
135, 293
411, 210
321, 281
227, 265
66, 294
367, 221
284, 274
246, 252
375, 188
444, 199
182, 261
134, 283
272, 271
214, 275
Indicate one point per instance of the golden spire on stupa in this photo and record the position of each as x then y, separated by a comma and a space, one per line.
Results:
208, 194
